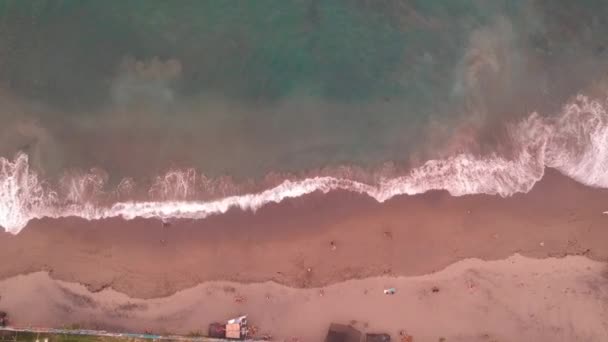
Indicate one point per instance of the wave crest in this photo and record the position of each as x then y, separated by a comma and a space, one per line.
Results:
575, 143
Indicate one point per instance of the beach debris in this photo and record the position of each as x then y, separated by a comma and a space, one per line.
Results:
390, 291
471, 285
3, 319
217, 330
435, 289
542, 244
253, 330
388, 234
309, 270
405, 337
332, 244
321, 293
239, 299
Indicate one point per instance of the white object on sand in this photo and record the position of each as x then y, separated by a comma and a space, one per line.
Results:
390, 291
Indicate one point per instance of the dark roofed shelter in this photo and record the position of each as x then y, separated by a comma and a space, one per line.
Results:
342, 333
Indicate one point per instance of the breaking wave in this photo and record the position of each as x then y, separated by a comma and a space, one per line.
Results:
575, 143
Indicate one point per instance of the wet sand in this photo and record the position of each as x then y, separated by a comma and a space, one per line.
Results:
318, 240
291, 242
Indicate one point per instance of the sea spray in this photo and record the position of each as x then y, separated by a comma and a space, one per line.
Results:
573, 142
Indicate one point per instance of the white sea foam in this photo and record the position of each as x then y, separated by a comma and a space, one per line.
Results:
575, 143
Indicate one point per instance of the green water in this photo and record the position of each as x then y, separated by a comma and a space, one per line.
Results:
246, 87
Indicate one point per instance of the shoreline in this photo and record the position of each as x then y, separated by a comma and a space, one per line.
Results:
314, 240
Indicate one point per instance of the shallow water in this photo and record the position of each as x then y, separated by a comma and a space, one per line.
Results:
152, 102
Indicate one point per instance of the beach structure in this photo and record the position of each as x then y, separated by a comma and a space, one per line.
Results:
234, 329
237, 329
342, 333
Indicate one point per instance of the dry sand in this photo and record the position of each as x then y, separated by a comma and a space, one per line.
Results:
292, 244
517, 299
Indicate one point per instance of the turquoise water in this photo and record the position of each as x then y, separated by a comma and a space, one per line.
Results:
244, 88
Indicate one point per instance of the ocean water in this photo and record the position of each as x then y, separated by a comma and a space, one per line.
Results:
186, 109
